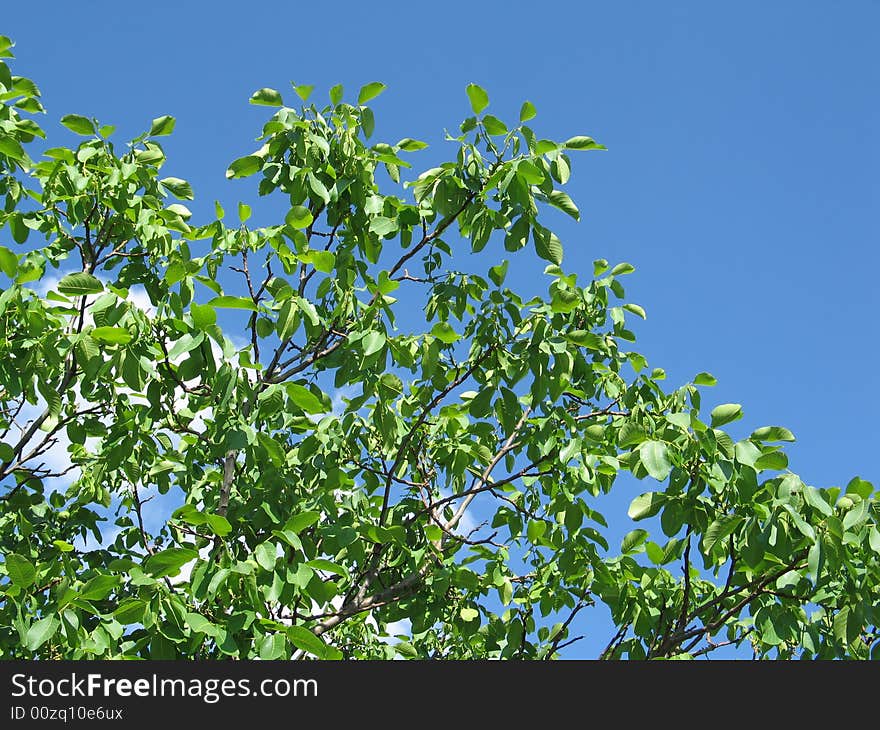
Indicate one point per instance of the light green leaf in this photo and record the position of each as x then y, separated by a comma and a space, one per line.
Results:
527, 111
179, 188
218, 523
79, 124
229, 302
772, 433
169, 561
299, 217
635, 309
304, 639
719, 530
266, 97
632, 540
303, 91
582, 143
411, 145
80, 284
203, 315
244, 166
301, 521
304, 398
726, 413
266, 555
373, 342
443, 331
41, 631
705, 379
468, 614
478, 97
370, 91
8, 262
654, 456
20, 570
162, 126
536, 530
646, 505
111, 335
98, 588
561, 200
531, 173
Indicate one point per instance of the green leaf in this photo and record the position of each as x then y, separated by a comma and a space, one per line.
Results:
411, 145
99, 587
632, 540
323, 261
266, 555
622, 268
303, 91
304, 398
266, 97
20, 570
301, 521
79, 124
327, 565
244, 212
859, 486
162, 126
8, 262
80, 284
726, 413
203, 315
582, 143
244, 166
531, 173
229, 302
299, 217
635, 309
11, 148
179, 188
494, 126
443, 331
719, 530
304, 639
498, 273
373, 342
130, 611
646, 505
219, 524
41, 631
536, 530
370, 91
705, 379
527, 111
111, 335
169, 561
774, 460
654, 552
654, 456
549, 248
336, 94
200, 624
478, 97
772, 433
468, 614
874, 539
561, 200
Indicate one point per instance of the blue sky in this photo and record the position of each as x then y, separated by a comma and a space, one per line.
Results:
741, 177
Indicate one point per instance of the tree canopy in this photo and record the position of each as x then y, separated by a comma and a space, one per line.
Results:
327, 401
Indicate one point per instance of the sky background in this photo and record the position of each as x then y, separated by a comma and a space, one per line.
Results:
741, 178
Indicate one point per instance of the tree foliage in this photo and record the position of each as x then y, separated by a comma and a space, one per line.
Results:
326, 401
